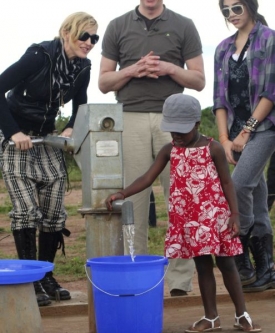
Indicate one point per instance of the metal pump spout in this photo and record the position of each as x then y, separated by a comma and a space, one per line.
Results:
62, 142
127, 211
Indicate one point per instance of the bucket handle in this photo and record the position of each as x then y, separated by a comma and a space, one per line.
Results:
139, 294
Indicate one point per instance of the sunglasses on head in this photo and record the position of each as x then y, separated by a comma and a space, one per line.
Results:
236, 9
85, 35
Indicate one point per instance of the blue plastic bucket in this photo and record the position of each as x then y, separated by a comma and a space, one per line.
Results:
17, 271
128, 296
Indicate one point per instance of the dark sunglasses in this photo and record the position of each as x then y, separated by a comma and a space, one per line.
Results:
85, 35
236, 9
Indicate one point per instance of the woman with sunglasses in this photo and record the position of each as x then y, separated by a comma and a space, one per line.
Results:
244, 107
46, 77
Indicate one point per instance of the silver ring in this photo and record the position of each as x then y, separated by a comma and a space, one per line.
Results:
244, 146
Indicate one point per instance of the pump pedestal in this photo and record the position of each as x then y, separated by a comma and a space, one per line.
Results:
97, 137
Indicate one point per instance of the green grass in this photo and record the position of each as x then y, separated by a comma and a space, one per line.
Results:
5, 256
156, 236
74, 174
72, 210
4, 233
5, 209
161, 210
5, 230
6, 206
70, 269
156, 240
272, 218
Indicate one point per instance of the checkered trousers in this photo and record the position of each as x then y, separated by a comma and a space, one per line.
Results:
35, 180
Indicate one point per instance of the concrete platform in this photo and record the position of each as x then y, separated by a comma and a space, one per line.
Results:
179, 312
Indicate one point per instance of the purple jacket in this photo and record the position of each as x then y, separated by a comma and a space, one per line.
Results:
261, 69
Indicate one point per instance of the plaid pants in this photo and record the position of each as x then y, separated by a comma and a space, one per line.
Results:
36, 181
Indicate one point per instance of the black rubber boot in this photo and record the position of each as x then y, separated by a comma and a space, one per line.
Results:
262, 251
245, 268
53, 288
49, 243
25, 242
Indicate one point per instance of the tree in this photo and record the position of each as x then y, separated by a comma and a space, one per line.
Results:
60, 123
208, 125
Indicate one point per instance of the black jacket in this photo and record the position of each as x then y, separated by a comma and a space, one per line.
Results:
31, 102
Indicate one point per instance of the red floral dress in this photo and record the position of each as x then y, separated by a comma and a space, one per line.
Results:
198, 210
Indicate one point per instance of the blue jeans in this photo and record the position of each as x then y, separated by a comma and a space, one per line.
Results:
249, 180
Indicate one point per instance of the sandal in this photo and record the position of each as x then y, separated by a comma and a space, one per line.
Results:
240, 327
211, 329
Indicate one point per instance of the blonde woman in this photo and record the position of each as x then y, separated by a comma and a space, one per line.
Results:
48, 75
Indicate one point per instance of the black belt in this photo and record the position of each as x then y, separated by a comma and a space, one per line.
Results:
33, 133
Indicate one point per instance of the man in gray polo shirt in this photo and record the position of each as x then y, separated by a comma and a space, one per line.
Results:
159, 53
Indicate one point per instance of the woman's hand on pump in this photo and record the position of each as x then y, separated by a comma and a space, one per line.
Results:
22, 141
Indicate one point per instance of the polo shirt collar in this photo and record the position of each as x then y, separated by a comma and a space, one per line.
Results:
163, 16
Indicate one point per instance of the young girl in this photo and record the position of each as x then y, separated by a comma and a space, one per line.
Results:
203, 210
244, 107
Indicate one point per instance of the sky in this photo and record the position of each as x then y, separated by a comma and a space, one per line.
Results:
23, 22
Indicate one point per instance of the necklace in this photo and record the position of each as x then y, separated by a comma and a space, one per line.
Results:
196, 141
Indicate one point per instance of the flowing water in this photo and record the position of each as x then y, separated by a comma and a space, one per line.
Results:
128, 233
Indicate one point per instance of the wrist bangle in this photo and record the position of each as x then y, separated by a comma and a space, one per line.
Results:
222, 141
252, 123
223, 135
247, 129
243, 132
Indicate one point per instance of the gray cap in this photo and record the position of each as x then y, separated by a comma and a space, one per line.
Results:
180, 113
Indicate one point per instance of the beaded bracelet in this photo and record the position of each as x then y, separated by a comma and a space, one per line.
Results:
248, 128
253, 122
